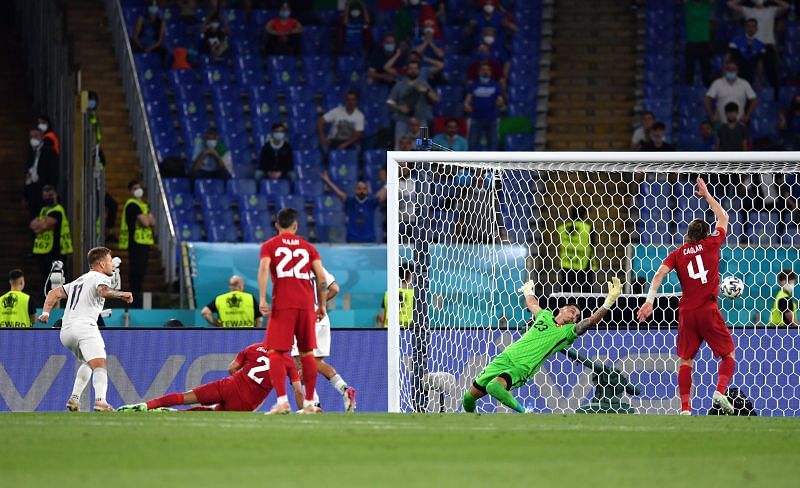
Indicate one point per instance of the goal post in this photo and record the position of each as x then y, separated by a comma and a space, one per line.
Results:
469, 228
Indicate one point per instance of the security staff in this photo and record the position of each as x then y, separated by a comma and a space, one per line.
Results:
576, 250
53, 239
16, 307
406, 299
234, 309
784, 309
136, 235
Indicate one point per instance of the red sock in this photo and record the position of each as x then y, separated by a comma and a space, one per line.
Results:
169, 400
309, 363
685, 385
725, 373
277, 372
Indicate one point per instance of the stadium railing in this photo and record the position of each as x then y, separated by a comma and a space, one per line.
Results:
167, 236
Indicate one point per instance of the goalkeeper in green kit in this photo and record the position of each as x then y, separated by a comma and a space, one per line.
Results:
546, 336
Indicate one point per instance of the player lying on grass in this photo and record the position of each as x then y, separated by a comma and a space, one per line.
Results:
243, 391
546, 336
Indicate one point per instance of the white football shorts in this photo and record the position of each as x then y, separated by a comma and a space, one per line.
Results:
323, 349
86, 343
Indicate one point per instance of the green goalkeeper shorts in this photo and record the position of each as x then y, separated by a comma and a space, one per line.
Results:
501, 366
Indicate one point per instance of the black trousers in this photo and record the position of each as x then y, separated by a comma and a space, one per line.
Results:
698, 52
771, 69
137, 259
111, 211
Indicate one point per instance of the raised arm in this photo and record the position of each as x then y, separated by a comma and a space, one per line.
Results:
719, 213
614, 291
335, 189
263, 282
322, 288
531, 302
647, 307
50, 301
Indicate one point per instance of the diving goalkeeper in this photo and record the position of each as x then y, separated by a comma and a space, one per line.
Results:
546, 336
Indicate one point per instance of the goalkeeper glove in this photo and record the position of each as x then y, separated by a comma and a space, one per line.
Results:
527, 289
116, 262
614, 291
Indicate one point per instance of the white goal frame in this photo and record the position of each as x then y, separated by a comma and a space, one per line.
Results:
565, 161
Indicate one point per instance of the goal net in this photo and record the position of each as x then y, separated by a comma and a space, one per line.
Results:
466, 230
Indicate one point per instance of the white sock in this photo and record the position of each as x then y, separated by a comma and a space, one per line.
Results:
337, 382
81, 380
307, 403
100, 384
283, 399
316, 397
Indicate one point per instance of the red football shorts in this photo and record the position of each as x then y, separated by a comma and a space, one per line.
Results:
286, 324
703, 324
228, 395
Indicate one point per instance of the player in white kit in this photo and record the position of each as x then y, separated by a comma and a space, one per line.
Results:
86, 297
323, 350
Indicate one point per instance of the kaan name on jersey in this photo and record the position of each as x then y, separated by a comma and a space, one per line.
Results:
291, 242
693, 250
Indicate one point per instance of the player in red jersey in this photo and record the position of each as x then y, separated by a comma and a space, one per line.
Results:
243, 391
697, 265
288, 260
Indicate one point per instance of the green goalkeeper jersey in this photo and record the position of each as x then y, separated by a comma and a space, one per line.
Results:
543, 339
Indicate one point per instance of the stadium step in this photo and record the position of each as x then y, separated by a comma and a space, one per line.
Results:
88, 27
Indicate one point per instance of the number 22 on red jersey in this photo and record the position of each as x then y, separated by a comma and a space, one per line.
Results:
290, 269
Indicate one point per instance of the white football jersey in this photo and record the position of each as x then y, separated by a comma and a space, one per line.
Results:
328, 278
84, 303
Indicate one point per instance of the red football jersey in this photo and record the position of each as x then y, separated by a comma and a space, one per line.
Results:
697, 265
254, 373
290, 268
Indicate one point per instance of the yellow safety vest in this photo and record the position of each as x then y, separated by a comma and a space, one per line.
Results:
236, 309
43, 243
576, 247
776, 315
406, 307
141, 234
14, 309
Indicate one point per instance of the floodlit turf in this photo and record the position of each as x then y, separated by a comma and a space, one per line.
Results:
240, 449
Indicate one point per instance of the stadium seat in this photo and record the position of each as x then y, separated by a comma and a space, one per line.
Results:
327, 204
283, 71
350, 70
177, 185
308, 164
298, 94
316, 39
211, 203
257, 227
203, 187
343, 167
180, 201
241, 187
273, 189
452, 101
217, 232
253, 203
331, 227
308, 190
189, 232
318, 72
248, 70
519, 142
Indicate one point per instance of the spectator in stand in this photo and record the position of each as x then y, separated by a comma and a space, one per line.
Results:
187, 12
354, 29
491, 15
747, 52
42, 170
730, 88
409, 19
360, 209
414, 131
136, 235
347, 125
376, 73
149, 32
430, 54
765, 15
500, 68
642, 133
658, 140
450, 138
789, 125
405, 143
429, 67
214, 33
411, 97
697, 15
283, 33
211, 158
483, 101
276, 160
53, 240
732, 136
49, 137
708, 139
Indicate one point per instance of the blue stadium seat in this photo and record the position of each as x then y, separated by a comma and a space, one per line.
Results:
253, 203
189, 232
308, 164
203, 187
374, 94
257, 227
302, 115
318, 73
289, 201
350, 70
180, 201
185, 84
181, 216
177, 185
212, 203
273, 189
283, 71
331, 227
452, 101
166, 142
298, 94
248, 69
264, 110
308, 190
305, 140
241, 187
149, 70
522, 109
327, 204
519, 142
316, 39
343, 167
216, 74
217, 232
455, 65
374, 162
376, 117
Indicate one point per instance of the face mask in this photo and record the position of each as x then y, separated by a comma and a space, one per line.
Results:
153, 10
285, 14
35, 142
389, 48
92, 104
42, 127
355, 13
488, 40
488, 8
788, 288
429, 30
49, 202
278, 136
211, 143
214, 25
730, 75
485, 79
138, 193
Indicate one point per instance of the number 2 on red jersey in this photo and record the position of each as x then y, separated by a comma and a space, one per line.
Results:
702, 272
287, 255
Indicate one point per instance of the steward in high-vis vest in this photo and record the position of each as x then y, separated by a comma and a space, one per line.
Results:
405, 299
53, 239
233, 309
784, 308
16, 306
136, 235
576, 251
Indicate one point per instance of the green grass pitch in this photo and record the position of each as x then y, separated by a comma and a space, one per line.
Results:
242, 449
